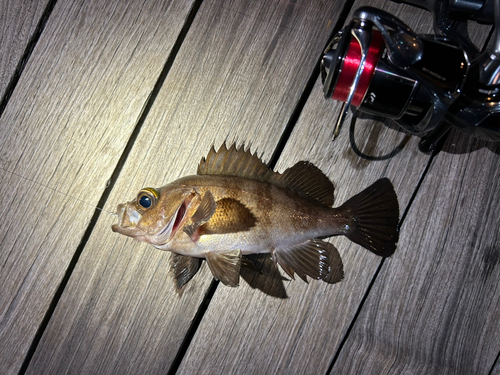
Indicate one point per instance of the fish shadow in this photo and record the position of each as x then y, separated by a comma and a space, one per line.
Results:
264, 276
457, 142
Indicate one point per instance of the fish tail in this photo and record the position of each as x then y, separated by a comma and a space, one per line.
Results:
374, 217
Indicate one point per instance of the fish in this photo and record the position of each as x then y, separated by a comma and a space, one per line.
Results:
236, 206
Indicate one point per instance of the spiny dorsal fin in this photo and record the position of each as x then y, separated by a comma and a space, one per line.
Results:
234, 162
308, 181
303, 178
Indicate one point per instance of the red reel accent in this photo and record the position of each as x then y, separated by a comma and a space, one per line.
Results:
350, 65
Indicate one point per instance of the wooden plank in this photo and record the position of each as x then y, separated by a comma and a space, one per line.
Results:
496, 368
251, 331
63, 131
18, 21
434, 310
238, 76
441, 293
247, 331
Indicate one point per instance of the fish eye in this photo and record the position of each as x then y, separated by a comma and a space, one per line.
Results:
147, 198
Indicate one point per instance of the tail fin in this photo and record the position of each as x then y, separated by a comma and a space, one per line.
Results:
375, 218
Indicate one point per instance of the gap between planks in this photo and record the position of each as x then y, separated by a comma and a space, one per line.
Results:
102, 201
272, 163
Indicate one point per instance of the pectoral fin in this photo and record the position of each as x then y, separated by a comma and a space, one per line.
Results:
204, 212
225, 266
184, 268
314, 258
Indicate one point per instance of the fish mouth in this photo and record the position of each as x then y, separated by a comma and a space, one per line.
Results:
128, 218
179, 217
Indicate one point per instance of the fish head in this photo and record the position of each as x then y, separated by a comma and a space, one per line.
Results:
156, 215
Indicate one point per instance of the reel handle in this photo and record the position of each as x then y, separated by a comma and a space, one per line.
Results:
403, 45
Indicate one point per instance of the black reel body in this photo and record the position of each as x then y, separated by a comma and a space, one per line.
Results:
425, 83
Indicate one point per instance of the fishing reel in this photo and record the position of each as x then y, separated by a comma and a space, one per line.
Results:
425, 83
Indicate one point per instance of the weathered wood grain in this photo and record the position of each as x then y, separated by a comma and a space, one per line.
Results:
63, 131
246, 331
435, 310
18, 21
238, 76
496, 368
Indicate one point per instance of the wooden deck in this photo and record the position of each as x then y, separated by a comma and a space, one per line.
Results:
103, 97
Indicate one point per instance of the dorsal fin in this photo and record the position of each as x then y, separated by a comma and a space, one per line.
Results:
308, 181
303, 178
234, 162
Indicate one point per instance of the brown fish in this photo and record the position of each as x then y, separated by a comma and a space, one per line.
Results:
236, 206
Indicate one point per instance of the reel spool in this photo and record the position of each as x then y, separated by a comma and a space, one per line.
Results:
425, 83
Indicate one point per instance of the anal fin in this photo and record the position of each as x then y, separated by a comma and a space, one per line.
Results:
315, 258
204, 212
225, 266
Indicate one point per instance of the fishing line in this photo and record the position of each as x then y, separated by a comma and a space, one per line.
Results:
60, 192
